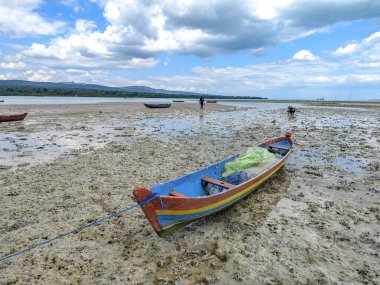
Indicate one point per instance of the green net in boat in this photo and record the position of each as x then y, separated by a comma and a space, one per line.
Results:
258, 156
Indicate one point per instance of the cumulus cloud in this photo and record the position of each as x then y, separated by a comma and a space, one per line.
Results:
365, 53
222, 26
85, 47
9, 76
19, 18
39, 75
348, 49
304, 55
12, 65
370, 43
143, 29
295, 74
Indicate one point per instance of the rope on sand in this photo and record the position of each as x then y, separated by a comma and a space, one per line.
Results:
149, 198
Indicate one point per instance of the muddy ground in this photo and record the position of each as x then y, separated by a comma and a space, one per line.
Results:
315, 222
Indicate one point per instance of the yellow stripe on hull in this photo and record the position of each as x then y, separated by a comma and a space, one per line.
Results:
209, 207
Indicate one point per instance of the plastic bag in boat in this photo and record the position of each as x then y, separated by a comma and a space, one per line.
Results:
257, 156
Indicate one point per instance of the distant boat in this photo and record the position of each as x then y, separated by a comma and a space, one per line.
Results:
177, 101
183, 200
211, 101
1, 100
10, 118
157, 105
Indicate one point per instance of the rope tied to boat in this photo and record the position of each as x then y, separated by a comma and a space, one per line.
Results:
149, 198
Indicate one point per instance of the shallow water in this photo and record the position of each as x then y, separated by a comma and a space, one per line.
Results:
261, 105
42, 140
36, 100
24, 143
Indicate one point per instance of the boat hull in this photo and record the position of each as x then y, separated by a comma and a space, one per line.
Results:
11, 118
180, 211
157, 105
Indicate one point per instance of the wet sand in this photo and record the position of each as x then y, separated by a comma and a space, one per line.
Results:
315, 222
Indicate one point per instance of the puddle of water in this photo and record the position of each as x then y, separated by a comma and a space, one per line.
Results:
40, 147
221, 123
177, 127
349, 165
260, 106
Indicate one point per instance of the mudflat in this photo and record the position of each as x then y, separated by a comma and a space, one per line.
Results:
315, 222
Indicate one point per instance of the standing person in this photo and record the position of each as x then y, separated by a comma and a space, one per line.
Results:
201, 101
291, 111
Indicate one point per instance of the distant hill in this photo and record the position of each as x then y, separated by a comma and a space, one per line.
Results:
31, 88
144, 89
73, 85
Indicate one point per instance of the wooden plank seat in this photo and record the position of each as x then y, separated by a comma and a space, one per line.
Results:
279, 147
222, 184
174, 193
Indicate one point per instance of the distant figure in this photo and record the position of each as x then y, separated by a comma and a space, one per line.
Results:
291, 111
201, 101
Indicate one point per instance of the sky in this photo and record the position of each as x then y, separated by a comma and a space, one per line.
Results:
279, 49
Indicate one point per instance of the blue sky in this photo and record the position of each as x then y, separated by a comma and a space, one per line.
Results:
286, 49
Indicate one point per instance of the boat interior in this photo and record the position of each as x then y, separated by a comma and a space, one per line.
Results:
209, 181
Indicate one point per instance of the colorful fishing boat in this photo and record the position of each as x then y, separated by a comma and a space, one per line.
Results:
10, 118
157, 105
183, 200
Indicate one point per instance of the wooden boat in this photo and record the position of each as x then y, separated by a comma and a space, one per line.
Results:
10, 118
183, 200
157, 105
211, 101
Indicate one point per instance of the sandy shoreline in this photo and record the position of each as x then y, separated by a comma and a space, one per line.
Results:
316, 221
